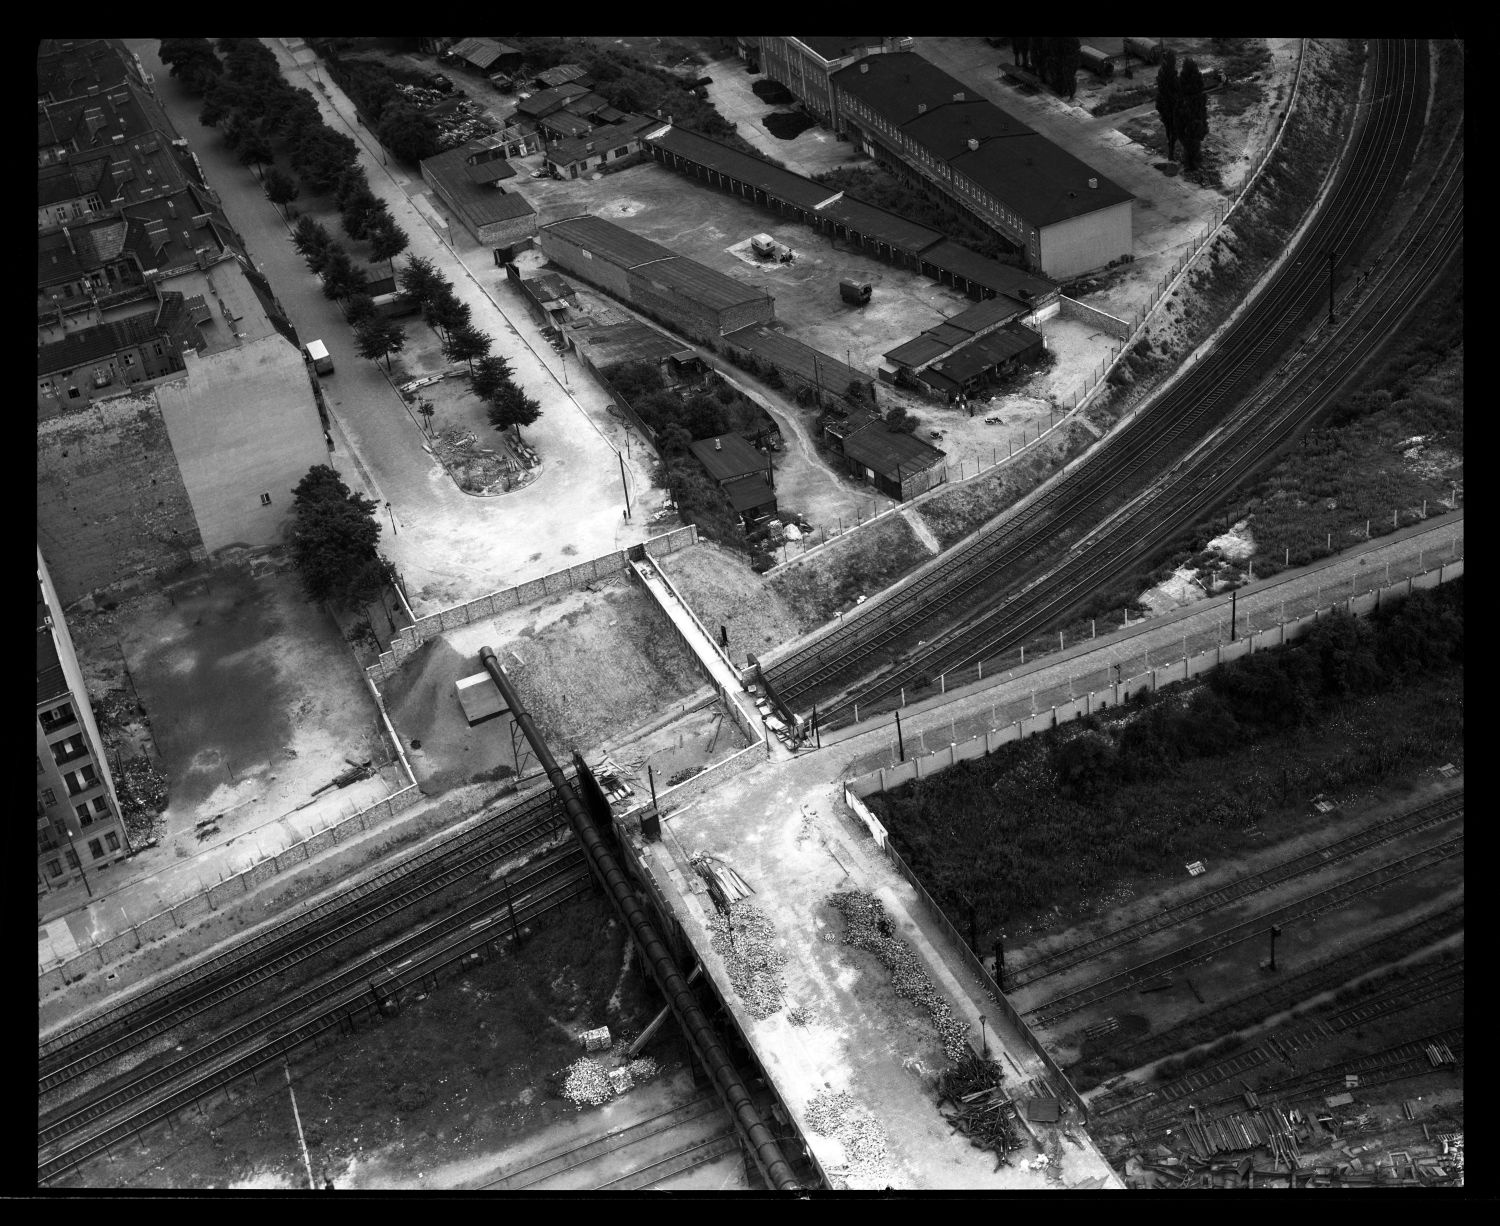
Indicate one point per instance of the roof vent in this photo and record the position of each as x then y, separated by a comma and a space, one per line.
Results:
921, 108
958, 97
1094, 183
974, 143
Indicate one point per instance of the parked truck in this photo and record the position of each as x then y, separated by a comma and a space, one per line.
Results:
317, 354
393, 306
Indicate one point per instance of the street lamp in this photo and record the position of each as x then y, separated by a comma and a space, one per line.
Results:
393, 519
73, 834
1275, 932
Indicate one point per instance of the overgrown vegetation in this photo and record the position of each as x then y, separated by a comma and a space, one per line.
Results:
876, 185
1059, 816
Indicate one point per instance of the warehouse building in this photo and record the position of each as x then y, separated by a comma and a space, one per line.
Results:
806, 65
468, 181
1064, 216
845, 218
686, 295
898, 464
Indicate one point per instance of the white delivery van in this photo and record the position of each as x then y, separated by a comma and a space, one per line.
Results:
318, 352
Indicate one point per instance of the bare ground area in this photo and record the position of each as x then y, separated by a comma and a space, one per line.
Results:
441, 1095
587, 664
723, 591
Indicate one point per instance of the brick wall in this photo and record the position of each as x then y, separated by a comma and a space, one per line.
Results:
592, 268
111, 504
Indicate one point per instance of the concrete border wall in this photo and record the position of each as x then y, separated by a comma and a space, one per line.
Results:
179, 915
547, 587
1071, 308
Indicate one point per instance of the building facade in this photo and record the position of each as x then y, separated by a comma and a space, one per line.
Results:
79, 826
806, 65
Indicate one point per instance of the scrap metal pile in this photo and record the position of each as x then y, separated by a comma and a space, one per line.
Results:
746, 940
983, 1111
836, 1114
867, 927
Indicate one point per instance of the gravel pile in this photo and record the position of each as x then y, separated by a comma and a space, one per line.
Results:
867, 927
643, 1069
746, 940
835, 1114
587, 1083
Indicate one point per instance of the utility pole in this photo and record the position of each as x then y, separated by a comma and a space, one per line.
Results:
1275, 932
1233, 617
623, 485
900, 740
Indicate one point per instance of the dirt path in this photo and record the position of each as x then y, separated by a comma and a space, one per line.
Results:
924, 533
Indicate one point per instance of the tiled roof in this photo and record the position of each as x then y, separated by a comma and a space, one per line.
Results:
565, 124
887, 451
560, 75
544, 102
604, 139
93, 246
94, 120
96, 343
73, 70
481, 52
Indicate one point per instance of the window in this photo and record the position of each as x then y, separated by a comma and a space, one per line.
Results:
112, 841
96, 848
265, 500
73, 393
72, 859
49, 797
45, 387
58, 718
54, 868
85, 818
81, 780
156, 348
128, 359
101, 806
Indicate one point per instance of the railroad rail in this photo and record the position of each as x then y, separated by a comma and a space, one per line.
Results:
161, 1093
1051, 1011
1399, 826
1195, 482
1185, 413
300, 937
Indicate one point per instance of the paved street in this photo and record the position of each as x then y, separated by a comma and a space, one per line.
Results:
450, 546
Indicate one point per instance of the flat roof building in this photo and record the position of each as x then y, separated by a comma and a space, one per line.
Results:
805, 65
467, 180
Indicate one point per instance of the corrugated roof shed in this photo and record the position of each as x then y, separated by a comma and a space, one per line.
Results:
783, 184
607, 241
1002, 278
560, 75
882, 225
987, 313
699, 283
481, 52
791, 354
492, 171
891, 453
748, 493
981, 354
733, 457
917, 350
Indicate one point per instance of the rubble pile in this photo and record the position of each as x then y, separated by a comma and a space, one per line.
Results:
746, 940
836, 1114
643, 1069
867, 927
587, 1083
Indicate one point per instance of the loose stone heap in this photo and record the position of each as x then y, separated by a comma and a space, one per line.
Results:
866, 926
837, 1115
643, 1069
587, 1083
746, 940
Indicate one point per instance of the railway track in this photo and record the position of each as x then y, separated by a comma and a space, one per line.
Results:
1051, 1011
1160, 434
82, 1048
1402, 824
451, 943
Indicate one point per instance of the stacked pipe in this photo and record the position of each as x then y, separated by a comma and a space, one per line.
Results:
673, 983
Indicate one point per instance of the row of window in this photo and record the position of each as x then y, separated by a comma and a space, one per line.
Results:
97, 849
87, 812
76, 208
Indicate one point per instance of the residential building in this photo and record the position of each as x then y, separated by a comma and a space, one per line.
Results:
79, 827
742, 472
806, 65
697, 300
467, 180
74, 67
487, 55
98, 361
597, 148
1063, 216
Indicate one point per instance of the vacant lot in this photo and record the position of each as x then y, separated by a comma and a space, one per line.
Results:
587, 666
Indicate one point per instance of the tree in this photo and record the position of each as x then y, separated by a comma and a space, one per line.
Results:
1065, 60
359, 308
253, 149
281, 188
312, 242
334, 533
420, 280
192, 61
407, 133
378, 338
1166, 100
371, 581
465, 343
1191, 109
341, 278
320, 156
387, 241
426, 409
491, 375
513, 409
446, 313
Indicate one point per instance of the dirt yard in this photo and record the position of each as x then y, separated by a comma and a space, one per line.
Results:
587, 665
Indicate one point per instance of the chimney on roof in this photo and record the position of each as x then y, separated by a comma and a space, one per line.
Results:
921, 108
718, 445
973, 144
864, 66
1094, 183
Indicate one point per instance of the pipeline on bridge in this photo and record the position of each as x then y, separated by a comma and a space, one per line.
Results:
695, 1023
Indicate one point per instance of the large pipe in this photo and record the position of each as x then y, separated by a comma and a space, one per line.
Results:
680, 999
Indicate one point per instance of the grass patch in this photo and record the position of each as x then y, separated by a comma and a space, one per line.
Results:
861, 565
878, 186
1062, 816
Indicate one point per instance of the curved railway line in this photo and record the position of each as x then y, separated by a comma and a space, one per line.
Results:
1152, 442
75, 1051
366, 985
1402, 824
1069, 1002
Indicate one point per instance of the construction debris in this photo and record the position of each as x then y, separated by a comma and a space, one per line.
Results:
724, 884
836, 1114
867, 927
643, 1069
746, 940
983, 1111
587, 1083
